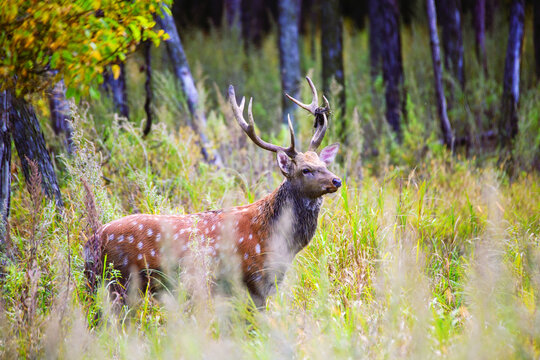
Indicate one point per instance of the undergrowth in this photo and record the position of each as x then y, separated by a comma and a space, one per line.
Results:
422, 253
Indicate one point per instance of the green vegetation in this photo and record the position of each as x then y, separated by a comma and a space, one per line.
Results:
422, 254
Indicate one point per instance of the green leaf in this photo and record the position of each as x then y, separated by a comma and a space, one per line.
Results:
94, 94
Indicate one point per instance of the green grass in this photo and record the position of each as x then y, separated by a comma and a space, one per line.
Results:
420, 255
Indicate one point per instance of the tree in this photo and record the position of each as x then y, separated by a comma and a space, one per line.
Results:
536, 37
233, 13
289, 55
392, 64
178, 58
508, 123
450, 18
61, 113
446, 129
114, 82
375, 38
332, 49
5, 166
148, 87
479, 17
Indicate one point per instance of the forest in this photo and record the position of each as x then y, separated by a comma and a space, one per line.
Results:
132, 123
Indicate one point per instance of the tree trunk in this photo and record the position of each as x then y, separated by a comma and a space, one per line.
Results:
148, 86
30, 145
536, 37
252, 15
375, 38
5, 167
289, 55
392, 64
61, 113
332, 50
450, 17
508, 124
233, 13
180, 65
446, 129
117, 89
480, 32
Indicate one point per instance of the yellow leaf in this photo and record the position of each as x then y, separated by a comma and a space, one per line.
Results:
160, 33
96, 55
116, 71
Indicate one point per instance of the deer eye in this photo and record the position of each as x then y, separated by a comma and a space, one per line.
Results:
306, 171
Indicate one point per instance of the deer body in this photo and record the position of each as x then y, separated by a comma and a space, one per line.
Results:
263, 236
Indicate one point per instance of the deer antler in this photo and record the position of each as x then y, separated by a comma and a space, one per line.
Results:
249, 127
321, 122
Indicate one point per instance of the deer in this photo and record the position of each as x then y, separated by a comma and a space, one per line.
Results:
264, 236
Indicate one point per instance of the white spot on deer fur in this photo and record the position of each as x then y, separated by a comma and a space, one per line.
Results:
205, 222
149, 232
246, 256
158, 237
141, 226
250, 236
258, 249
182, 231
153, 253
125, 261
240, 240
213, 227
140, 244
134, 223
139, 256
111, 237
120, 238
206, 231
130, 239
175, 237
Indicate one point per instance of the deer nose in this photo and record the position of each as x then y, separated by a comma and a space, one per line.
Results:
336, 182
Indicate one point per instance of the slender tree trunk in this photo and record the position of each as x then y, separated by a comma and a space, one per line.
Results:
446, 129
508, 124
375, 38
233, 13
30, 145
480, 32
536, 37
117, 89
392, 64
148, 86
252, 15
450, 16
183, 74
289, 55
332, 49
61, 113
5, 167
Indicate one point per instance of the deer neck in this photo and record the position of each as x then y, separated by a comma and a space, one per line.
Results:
292, 217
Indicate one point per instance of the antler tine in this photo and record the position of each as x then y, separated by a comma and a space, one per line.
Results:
319, 134
291, 130
314, 102
249, 126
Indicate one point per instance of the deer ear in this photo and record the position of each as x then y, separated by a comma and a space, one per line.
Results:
284, 163
329, 153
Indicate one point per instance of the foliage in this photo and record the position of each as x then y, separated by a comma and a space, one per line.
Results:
44, 41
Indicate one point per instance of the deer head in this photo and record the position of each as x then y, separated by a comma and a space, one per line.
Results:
307, 172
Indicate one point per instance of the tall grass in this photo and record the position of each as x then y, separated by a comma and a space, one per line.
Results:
420, 255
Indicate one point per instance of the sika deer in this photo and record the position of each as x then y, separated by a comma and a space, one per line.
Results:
265, 235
